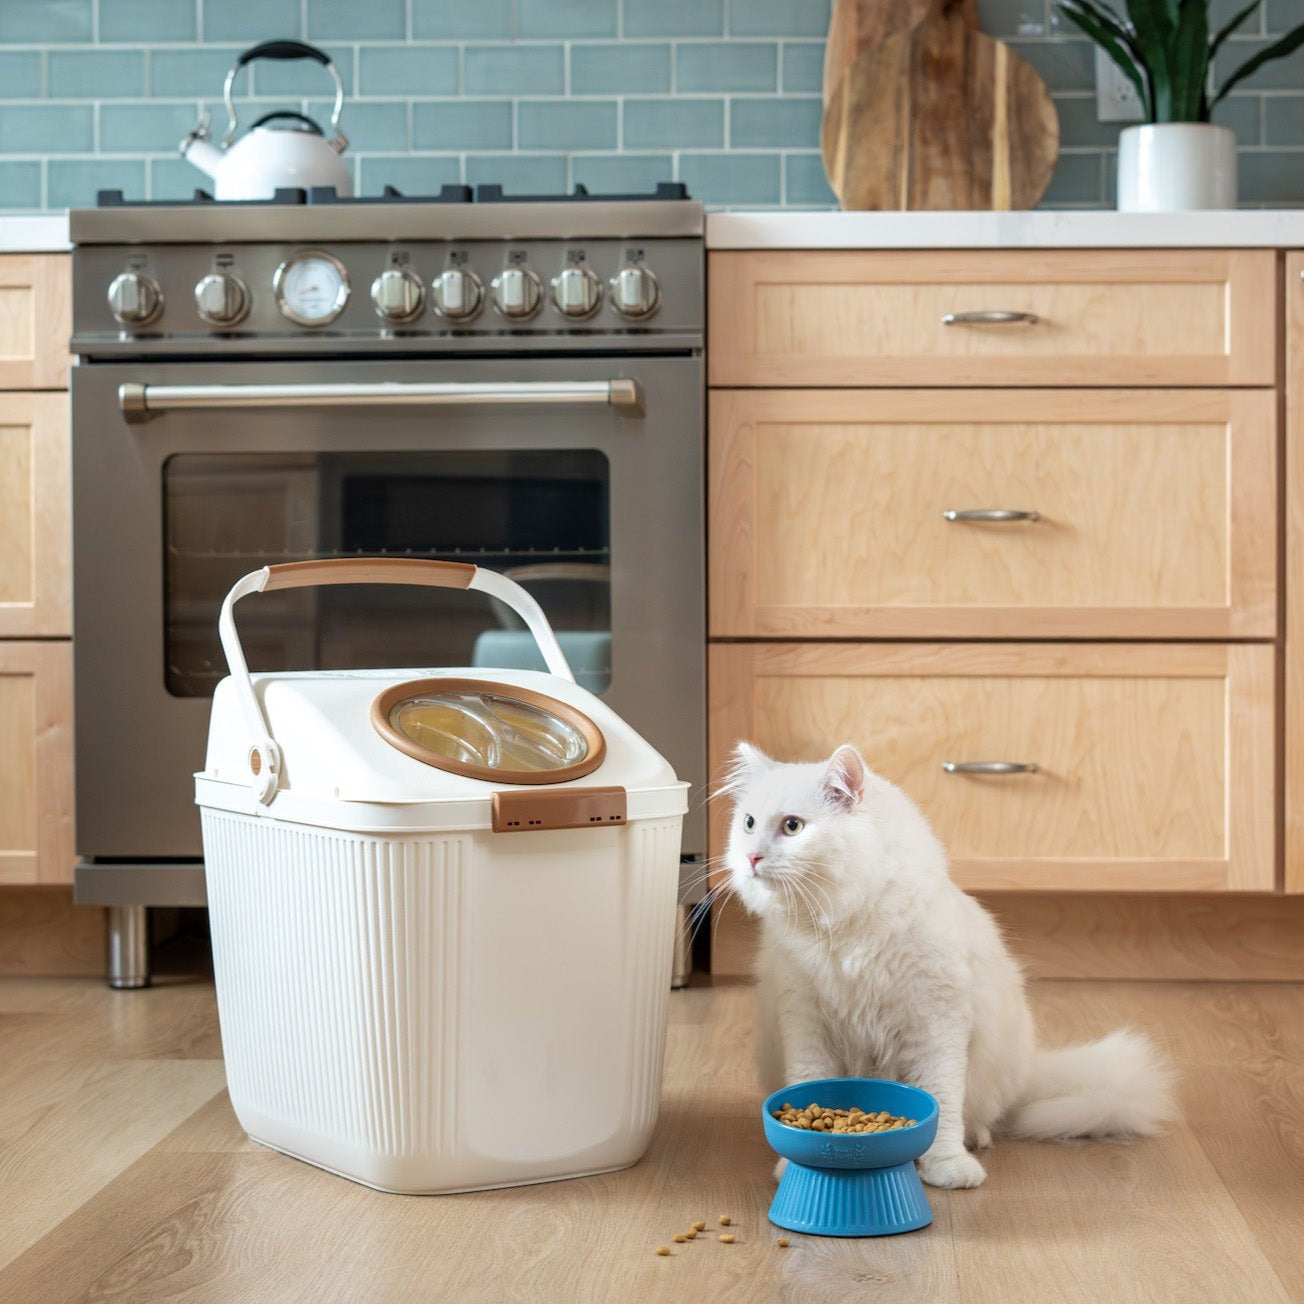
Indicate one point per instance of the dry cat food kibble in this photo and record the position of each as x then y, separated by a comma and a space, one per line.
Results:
728, 1240
725, 1220
699, 1227
782, 1241
663, 1249
815, 1118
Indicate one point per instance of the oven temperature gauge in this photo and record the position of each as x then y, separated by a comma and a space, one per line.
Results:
311, 288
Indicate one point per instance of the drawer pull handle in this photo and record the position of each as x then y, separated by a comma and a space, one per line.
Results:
991, 317
990, 767
994, 515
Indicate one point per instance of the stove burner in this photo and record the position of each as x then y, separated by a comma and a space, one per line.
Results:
448, 194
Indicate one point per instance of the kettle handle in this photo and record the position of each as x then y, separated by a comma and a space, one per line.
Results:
286, 50
264, 754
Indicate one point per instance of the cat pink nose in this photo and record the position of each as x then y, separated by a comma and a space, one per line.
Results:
752, 859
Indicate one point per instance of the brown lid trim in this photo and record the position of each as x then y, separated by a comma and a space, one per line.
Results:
385, 703
565, 808
369, 570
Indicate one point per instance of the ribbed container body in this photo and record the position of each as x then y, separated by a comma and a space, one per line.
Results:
444, 1012
850, 1202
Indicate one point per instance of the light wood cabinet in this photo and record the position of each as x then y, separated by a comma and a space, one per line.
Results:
1155, 513
1102, 317
35, 516
862, 410
36, 791
1154, 762
35, 320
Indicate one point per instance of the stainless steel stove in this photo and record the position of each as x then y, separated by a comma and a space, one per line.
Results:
468, 376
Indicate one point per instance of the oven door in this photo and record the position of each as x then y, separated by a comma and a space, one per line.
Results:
589, 494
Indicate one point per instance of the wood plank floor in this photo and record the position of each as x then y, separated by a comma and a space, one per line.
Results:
124, 1176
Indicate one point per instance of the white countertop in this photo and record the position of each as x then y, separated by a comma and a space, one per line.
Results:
1039, 229
41, 234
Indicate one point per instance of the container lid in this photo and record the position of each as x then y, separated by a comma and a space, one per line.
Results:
483, 729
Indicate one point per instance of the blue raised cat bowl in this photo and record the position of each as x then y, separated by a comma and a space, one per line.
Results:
852, 1183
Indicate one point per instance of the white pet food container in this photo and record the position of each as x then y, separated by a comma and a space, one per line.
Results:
443, 909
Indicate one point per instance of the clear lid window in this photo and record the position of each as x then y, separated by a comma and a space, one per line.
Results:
489, 731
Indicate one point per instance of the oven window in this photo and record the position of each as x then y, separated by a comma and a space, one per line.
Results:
539, 516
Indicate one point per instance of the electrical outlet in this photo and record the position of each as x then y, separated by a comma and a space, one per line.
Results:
1116, 97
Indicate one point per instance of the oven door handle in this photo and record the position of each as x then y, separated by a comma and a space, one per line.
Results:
139, 402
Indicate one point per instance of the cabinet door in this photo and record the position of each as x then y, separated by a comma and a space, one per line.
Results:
1154, 762
1026, 317
866, 514
36, 812
35, 516
35, 320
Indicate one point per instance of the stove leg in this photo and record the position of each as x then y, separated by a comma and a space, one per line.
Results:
128, 946
682, 970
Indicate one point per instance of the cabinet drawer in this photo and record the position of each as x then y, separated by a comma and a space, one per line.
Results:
1158, 317
1156, 514
35, 320
35, 516
36, 824
1155, 763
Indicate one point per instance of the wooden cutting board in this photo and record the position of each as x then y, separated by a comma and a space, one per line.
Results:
855, 25
940, 117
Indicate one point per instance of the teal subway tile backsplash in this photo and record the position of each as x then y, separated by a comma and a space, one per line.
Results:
251, 21
735, 179
765, 123
454, 125
524, 174
163, 20
514, 69
726, 66
673, 123
461, 20
633, 68
580, 18
95, 74
47, 128
357, 20
674, 17
804, 181
144, 128
74, 181
803, 67
46, 22
779, 18
724, 95
566, 124
20, 74
621, 174
413, 70
20, 184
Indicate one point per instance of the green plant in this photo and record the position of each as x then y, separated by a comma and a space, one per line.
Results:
1164, 49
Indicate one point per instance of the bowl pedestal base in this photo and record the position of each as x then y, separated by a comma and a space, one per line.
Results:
850, 1201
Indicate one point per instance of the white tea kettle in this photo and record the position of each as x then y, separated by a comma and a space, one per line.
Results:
268, 158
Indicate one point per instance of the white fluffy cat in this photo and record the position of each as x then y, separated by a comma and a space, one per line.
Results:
874, 964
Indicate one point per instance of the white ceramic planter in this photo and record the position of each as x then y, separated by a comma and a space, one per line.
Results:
1171, 166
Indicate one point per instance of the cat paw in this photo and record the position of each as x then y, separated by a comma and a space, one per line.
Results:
778, 1169
952, 1171
981, 1138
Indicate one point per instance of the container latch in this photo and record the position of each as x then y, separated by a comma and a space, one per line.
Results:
563, 808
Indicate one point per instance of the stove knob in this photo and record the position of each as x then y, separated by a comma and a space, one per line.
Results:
397, 294
634, 292
221, 299
135, 299
517, 293
457, 294
577, 292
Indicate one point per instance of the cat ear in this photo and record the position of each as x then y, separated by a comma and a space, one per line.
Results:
748, 762
844, 780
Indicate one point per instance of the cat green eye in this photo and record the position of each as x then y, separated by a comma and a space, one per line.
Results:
793, 825
749, 823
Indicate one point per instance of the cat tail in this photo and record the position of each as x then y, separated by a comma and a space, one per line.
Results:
1117, 1086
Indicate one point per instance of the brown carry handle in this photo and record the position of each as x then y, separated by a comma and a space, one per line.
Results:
370, 570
